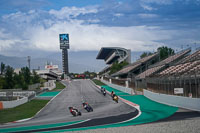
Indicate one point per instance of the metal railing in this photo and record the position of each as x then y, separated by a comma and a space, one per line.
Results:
168, 85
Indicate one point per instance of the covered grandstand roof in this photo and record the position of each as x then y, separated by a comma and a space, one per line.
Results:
175, 57
112, 54
160, 65
134, 65
192, 57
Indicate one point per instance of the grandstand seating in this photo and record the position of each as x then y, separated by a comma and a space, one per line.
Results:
134, 65
155, 68
192, 57
149, 72
175, 57
182, 69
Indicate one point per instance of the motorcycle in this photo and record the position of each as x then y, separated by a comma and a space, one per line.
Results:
87, 107
104, 92
115, 98
74, 111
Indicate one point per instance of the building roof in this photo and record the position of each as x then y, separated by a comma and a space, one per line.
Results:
107, 51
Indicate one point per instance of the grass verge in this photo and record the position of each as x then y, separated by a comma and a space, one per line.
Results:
98, 82
23, 111
59, 86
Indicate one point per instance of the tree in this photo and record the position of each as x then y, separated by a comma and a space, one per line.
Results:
145, 54
36, 78
9, 80
2, 82
2, 67
62, 76
117, 66
165, 52
19, 80
26, 74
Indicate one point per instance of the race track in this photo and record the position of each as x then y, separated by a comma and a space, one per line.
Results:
106, 111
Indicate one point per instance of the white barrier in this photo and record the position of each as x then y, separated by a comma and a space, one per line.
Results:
177, 101
17, 93
50, 85
14, 103
118, 87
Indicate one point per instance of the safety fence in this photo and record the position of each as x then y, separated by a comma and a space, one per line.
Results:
180, 86
122, 83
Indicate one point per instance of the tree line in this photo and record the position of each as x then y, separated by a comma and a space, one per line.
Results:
10, 80
163, 51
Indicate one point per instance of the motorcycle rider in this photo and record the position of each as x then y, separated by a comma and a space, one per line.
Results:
104, 91
85, 105
73, 110
112, 93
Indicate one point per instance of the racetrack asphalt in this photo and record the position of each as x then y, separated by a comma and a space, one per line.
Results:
75, 93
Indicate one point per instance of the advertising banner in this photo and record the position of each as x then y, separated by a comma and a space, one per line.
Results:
178, 90
64, 41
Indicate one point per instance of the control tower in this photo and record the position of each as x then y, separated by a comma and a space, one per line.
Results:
64, 46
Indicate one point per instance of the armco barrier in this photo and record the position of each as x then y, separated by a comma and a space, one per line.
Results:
14, 103
121, 88
177, 101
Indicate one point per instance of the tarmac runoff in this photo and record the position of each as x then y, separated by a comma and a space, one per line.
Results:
150, 112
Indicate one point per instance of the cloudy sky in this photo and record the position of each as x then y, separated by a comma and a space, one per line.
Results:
139, 25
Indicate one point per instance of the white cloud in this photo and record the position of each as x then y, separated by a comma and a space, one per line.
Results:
43, 34
144, 15
71, 12
161, 2
118, 14
93, 37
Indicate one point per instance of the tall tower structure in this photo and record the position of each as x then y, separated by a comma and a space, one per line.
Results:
65, 61
64, 45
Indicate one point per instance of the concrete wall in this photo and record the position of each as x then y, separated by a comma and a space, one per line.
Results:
50, 84
11, 104
34, 86
121, 88
178, 101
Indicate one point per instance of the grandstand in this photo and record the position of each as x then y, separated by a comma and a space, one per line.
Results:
180, 71
184, 74
137, 67
163, 64
111, 55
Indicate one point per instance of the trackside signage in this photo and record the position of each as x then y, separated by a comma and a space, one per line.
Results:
178, 90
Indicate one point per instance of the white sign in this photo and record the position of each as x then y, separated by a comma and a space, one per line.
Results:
178, 90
